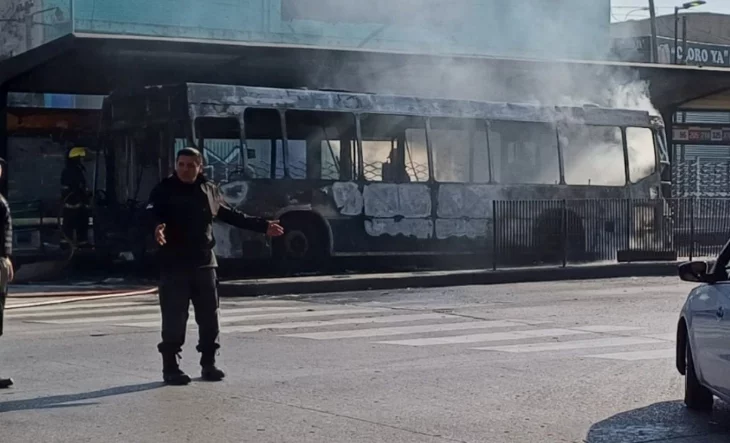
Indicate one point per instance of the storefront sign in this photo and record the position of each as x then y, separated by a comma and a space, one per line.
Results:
701, 134
638, 49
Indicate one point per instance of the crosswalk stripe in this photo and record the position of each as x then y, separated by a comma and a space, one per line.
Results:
638, 355
322, 320
335, 322
224, 319
495, 336
668, 336
147, 302
607, 328
571, 345
141, 310
226, 312
402, 330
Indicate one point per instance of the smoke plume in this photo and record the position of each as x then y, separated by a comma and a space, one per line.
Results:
524, 30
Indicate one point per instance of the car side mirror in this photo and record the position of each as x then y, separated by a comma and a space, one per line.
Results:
695, 271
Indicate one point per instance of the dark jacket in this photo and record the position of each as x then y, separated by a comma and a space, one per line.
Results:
6, 227
74, 190
188, 211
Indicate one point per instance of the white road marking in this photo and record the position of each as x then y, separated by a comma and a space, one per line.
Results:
606, 328
495, 336
225, 319
146, 304
669, 336
402, 330
638, 355
573, 344
339, 321
142, 310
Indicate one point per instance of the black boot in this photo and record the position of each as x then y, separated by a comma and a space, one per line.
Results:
171, 372
6, 383
210, 372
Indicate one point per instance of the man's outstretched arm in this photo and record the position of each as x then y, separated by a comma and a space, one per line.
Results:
240, 220
236, 218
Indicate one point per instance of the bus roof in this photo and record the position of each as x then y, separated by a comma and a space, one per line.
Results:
211, 100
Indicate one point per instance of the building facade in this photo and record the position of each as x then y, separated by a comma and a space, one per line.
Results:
700, 135
536, 28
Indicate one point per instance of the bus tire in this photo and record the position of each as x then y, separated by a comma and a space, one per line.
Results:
305, 243
548, 239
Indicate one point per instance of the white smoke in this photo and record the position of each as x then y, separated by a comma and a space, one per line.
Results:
520, 29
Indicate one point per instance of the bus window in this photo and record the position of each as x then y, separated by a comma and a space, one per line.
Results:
264, 142
394, 148
221, 147
642, 156
459, 150
524, 153
593, 155
316, 141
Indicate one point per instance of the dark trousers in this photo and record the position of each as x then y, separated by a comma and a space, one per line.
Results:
177, 290
76, 220
2, 311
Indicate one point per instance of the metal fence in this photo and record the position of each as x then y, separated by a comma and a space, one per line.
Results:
526, 232
559, 232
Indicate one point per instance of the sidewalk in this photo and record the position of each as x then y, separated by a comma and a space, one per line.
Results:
426, 279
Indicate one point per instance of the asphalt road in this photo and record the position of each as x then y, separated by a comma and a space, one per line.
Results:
582, 361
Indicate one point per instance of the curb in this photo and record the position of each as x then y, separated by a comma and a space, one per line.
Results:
433, 279
81, 298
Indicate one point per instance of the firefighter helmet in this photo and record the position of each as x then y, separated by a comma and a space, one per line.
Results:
77, 152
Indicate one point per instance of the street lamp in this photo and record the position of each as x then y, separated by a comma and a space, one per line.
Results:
687, 5
654, 45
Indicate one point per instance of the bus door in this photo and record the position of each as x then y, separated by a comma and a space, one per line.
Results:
136, 160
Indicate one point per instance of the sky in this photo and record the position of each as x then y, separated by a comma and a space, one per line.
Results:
622, 10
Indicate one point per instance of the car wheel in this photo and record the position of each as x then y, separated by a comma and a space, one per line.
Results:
696, 396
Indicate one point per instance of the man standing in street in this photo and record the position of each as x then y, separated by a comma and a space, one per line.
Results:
183, 207
6, 266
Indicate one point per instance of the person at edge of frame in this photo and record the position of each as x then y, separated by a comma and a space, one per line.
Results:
6, 265
183, 207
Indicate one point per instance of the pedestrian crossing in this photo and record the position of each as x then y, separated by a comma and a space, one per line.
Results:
381, 325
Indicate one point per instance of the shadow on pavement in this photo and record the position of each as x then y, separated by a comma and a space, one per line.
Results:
59, 401
667, 421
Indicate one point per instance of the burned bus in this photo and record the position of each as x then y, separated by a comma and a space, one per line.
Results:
358, 174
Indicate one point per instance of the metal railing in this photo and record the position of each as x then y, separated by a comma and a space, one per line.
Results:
561, 232
534, 232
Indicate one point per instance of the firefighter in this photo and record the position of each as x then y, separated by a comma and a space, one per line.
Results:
75, 195
6, 266
183, 207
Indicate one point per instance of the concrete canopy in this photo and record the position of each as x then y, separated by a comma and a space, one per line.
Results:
98, 64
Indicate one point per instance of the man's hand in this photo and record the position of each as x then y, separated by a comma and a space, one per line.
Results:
160, 234
274, 229
11, 271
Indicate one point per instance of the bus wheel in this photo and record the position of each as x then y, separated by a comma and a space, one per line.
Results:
304, 243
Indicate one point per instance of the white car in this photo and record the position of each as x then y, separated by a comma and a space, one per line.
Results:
703, 333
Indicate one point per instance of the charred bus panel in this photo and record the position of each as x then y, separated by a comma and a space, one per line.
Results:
360, 174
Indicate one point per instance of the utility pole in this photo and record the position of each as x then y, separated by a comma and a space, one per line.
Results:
676, 35
684, 39
654, 44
